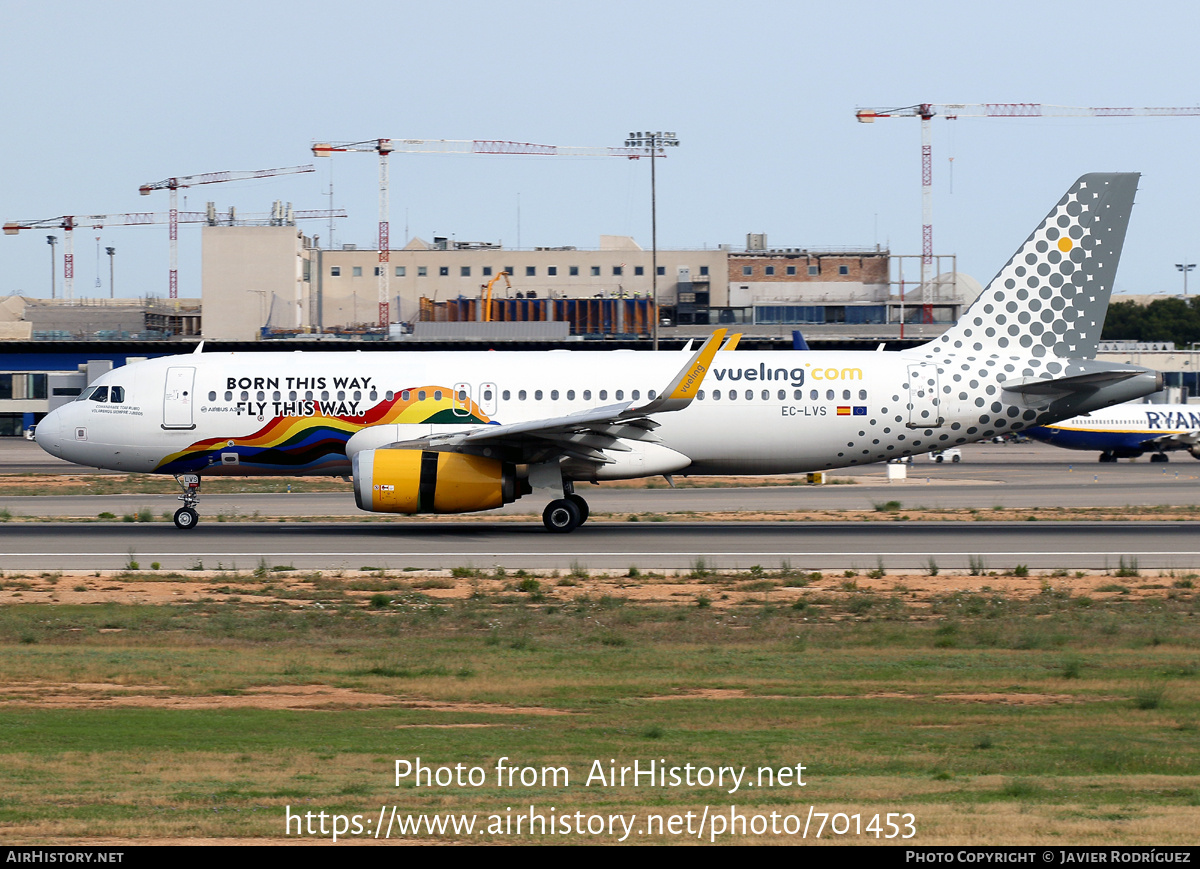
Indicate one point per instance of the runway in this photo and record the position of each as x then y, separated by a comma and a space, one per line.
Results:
649, 546
314, 531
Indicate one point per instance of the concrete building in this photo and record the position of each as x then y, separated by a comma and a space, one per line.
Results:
256, 277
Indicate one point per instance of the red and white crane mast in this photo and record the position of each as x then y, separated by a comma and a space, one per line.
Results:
952, 111
173, 185
384, 147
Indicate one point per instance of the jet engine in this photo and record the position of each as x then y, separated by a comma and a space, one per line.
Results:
425, 481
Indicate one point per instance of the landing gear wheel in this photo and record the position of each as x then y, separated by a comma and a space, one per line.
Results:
1159, 457
186, 518
1107, 457
578, 501
561, 516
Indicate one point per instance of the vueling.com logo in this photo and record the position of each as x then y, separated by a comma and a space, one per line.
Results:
795, 376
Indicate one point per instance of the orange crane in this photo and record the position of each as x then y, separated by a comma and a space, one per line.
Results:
384, 147
173, 185
487, 291
279, 215
952, 111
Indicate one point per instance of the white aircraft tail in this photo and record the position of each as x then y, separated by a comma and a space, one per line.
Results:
1051, 298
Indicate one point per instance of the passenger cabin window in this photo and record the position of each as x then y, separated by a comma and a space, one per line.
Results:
406, 395
487, 395
700, 395
506, 395
651, 394
229, 396
521, 395
587, 395
570, 395
537, 395
437, 395
635, 395
212, 396
554, 395
603, 394
421, 395
620, 394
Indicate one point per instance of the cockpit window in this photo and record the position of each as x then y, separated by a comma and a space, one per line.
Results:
116, 394
101, 394
87, 393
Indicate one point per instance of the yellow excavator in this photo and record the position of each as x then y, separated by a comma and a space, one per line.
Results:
487, 294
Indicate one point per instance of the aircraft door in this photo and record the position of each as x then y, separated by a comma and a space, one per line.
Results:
178, 398
462, 399
488, 396
924, 403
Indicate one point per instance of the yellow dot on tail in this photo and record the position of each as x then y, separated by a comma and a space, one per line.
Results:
1065, 244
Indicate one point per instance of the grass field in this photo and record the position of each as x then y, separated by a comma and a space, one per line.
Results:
994, 709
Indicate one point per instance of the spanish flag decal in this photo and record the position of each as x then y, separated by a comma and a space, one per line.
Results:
843, 410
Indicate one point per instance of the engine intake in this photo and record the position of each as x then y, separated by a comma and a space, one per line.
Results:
425, 481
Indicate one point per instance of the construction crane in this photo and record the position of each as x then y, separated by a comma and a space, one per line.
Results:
173, 185
280, 215
952, 111
384, 147
487, 293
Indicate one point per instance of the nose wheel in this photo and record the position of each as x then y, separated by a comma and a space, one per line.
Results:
186, 517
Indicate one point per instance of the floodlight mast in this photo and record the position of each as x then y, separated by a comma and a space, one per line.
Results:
653, 144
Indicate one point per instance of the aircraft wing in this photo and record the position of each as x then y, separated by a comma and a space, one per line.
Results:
585, 435
1180, 440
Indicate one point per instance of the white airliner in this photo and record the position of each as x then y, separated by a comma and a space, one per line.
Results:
1128, 431
456, 432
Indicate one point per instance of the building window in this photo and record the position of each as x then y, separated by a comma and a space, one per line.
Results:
639, 270
662, 270
530, 271
464, 271
791, 270
843, 270
617, 270
510, 269
357, 272
704, 270
814, 270
378, 270
400, 271
444, 271
335, 272
422, 271
747, 271
595, 271
769, 270
487, 271
552, 271
574, 271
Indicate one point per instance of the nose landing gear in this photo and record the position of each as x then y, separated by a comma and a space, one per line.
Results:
186, 517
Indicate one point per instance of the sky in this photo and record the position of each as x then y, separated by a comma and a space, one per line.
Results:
101, 98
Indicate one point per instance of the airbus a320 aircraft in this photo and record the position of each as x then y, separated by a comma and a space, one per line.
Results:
456, 432
1128, 431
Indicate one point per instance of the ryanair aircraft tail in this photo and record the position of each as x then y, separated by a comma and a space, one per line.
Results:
1051, 297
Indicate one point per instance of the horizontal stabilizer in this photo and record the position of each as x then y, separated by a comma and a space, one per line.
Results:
1075, 383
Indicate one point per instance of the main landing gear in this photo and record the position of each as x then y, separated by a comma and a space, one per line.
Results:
186, 517
1159, 457
565, 514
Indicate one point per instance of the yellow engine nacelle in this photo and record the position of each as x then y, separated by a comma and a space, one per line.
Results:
424, 481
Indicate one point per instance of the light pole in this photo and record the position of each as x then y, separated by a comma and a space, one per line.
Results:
1185, 268
110, 251
52, 240
653, 143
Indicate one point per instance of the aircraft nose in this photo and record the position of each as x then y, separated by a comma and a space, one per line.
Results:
49, 433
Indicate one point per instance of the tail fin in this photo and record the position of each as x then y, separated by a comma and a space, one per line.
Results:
1051, 297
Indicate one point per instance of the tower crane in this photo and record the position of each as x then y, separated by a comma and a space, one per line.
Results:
173, 185
279, 216
384, 147
952, 111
